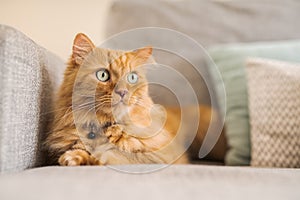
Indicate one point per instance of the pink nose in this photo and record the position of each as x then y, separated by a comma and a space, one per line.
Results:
122, 93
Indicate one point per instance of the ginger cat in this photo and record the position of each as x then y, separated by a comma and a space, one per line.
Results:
104, 115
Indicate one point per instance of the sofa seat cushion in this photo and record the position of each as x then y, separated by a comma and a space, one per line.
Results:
172, 182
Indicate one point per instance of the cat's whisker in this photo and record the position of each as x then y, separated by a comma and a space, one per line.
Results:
141, 101
75, 110
84, 104
91, 108
102, 99
89, 105
83, 107
88, 111
55, 110
82, 95
102, 103
142, 105
78, 93
98, 107
105, 95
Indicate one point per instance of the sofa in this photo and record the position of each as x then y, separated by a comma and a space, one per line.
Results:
30, 75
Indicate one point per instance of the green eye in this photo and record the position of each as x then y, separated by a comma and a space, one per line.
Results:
132, 77
102, 75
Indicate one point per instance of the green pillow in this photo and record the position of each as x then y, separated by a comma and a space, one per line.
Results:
230, 60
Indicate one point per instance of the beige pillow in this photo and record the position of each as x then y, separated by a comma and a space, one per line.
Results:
274, 107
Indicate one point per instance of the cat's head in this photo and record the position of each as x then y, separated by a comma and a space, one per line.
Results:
113, 79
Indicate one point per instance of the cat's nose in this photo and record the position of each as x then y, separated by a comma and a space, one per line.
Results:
122, 93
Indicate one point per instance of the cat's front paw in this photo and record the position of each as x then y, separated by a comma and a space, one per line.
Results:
114, 133
77, 157
130, 144
123, 141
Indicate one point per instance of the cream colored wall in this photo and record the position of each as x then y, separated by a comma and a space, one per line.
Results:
54, 23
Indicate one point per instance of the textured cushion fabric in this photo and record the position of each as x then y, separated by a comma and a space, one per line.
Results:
28, 75
174, 182
274, 108
230, 60
209, 23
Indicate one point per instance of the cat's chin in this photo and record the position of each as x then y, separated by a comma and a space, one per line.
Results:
120, 111
115, 108
120, 106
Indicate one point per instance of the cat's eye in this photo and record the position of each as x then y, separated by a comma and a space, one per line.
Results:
132, 77
102, 75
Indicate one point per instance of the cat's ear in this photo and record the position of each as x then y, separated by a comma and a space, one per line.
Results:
81, 47
144, 53
141, 56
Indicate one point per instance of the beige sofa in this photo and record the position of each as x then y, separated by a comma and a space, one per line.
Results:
30, 75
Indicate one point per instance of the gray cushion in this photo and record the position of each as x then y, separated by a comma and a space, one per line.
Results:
29, 75
174, 182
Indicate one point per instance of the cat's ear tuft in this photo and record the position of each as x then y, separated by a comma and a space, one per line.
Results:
144, 53
142, 56
82, 45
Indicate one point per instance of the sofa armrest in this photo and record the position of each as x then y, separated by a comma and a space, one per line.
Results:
29, 75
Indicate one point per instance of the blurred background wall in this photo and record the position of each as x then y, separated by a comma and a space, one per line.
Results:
54, 24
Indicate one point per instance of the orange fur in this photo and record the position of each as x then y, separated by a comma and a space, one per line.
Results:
85, 104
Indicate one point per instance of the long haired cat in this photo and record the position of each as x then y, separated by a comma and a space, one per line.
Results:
104, 114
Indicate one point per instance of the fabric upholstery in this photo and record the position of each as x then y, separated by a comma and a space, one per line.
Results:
29, 76
230, 60
274, 108
174, 182
208, 23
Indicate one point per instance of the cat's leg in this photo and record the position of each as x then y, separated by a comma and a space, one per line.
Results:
123, 141
68, 149
114, 133
75, 157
